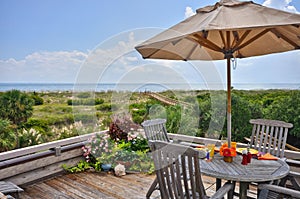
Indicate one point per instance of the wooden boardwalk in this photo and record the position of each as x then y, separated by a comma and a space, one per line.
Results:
166, 100
91, 185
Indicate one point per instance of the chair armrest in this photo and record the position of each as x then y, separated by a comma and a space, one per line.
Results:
293, 162
294, 174
227, 187
281, 190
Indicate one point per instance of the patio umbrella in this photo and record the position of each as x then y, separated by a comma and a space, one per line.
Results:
228, 29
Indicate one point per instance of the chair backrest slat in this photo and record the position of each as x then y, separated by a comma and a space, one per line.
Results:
261, 137
269, 136
178, 170
284, 140
265, 137
271, 139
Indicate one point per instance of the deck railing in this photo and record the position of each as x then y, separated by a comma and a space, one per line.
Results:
26, 165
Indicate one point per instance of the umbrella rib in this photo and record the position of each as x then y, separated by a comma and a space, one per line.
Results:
194, 48
252, 39
201, 43
242, 38
205, 42
228, 40
279, 35
236, 37
222, 37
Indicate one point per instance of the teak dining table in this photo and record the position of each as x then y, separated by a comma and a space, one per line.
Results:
257, 171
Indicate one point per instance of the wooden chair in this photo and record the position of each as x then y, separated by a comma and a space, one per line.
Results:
155, 130
269, 136
268, 191
178, 172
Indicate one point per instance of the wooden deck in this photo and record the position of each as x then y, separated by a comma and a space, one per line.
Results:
91, 185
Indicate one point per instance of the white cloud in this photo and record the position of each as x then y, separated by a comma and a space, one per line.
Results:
189, 12
280, 4
110, 58
59, 66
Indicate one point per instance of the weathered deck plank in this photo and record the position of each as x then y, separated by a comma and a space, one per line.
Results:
91, 185
90, 188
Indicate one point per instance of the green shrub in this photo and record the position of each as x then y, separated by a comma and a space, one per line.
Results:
85, 102
286, 108
38, 124
85, 118
99, 101
60, 120
80, 167
70, 102
137, 119
104, 107
83, 95
54, 109
37, 99
241, 114
7, 136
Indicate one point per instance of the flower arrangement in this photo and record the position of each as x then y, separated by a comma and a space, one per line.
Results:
124, 145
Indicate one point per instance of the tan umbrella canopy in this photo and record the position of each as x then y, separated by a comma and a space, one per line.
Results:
228, 29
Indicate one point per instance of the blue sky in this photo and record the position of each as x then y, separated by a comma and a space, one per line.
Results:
53, 40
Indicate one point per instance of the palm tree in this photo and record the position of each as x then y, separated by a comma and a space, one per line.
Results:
16, 107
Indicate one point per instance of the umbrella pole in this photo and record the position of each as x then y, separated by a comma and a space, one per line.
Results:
229, 102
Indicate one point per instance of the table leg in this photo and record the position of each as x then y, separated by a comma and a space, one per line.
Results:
218, 183
243, 190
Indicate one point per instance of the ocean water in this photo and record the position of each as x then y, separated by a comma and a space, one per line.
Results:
38, 87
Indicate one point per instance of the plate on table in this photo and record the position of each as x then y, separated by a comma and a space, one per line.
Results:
217, 149
252, 151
